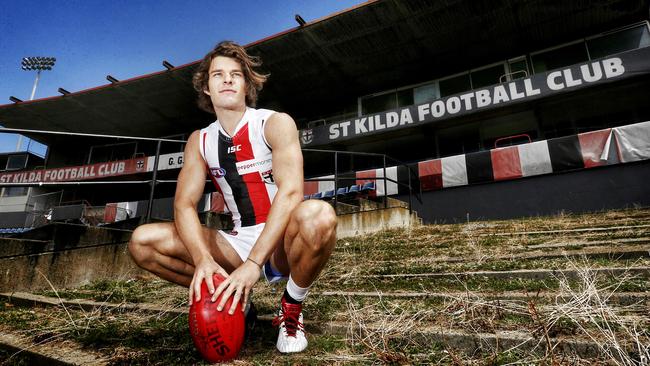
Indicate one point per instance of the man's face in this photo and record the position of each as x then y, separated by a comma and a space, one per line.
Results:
226, 83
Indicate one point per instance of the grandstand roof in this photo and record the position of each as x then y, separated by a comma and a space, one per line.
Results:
324, 65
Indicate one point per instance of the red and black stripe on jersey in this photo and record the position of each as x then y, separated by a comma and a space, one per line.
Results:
248, 190
228, 161
254, 183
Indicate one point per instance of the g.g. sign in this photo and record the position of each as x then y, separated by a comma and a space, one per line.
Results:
167, 161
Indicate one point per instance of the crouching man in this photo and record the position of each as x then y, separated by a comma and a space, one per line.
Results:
253, 157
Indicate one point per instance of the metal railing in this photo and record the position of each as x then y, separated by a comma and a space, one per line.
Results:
152, 182
154, 179
336, 154
511, 138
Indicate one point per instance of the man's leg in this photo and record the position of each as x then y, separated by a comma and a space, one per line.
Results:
159, 249
308, 243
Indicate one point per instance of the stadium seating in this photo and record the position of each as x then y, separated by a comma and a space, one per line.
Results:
342, 192
367, 187
354, 190
328, 195
14, 230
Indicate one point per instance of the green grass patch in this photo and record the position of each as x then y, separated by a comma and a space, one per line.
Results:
124, 291
104, 290
473, 283
16, 317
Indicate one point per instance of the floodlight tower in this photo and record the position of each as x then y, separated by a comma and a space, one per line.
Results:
39, 64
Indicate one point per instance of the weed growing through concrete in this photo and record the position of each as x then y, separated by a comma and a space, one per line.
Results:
624, 340
382, 330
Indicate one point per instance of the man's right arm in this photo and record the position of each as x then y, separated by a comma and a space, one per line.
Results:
189, 189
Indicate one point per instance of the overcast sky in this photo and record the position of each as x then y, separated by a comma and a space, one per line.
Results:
126, 38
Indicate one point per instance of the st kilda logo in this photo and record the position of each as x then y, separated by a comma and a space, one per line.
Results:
307, 136
267, 176
218, 172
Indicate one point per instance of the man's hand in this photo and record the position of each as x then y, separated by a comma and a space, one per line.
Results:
240, 282
204, 271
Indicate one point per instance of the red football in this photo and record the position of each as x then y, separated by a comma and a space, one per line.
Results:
217, 335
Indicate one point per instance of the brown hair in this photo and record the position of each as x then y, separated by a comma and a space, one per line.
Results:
254, 80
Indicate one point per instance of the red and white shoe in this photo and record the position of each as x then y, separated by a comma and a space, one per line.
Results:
292, 331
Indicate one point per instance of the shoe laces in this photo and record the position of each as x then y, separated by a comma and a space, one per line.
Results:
290, 315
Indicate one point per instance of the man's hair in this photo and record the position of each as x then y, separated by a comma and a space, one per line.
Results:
254, 80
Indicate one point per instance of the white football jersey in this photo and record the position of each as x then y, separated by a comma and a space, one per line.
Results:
240, 166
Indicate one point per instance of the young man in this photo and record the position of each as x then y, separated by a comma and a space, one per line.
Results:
253, 157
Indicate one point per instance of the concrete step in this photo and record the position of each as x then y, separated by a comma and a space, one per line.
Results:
10, 247
25, 299
644, 240
457, 339
532, 274
373, 221
28, 300
564, 231
469, 343
619, 299
619, 253
55, 353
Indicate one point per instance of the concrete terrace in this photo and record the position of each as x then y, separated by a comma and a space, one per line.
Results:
564, 289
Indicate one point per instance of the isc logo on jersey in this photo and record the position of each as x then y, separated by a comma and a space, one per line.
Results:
233, 149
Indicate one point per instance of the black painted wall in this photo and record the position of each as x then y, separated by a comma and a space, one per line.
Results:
587, 190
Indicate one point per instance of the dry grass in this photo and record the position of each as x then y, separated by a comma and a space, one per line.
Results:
624, 340
389, 330
89, 326
383, 330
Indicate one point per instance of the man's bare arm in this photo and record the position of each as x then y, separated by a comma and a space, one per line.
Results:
282, 135
191, 182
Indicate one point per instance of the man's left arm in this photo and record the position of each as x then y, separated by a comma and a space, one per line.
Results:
282, 135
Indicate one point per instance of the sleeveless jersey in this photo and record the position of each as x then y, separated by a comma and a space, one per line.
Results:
240, 166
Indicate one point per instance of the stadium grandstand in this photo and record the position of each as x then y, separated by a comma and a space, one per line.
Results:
464, 109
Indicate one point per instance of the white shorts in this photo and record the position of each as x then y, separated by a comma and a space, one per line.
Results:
242, 240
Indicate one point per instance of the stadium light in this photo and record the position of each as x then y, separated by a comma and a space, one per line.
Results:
112, 79
63, 91
14, 99
167, 65
300, 20
39, 64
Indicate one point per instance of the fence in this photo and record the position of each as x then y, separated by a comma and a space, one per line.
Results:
93, 215
39, 208
347, 165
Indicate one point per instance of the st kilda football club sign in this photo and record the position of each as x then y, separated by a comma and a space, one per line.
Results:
605, 70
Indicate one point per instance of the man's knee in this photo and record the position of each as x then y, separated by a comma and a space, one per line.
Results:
316, 222
140, 245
